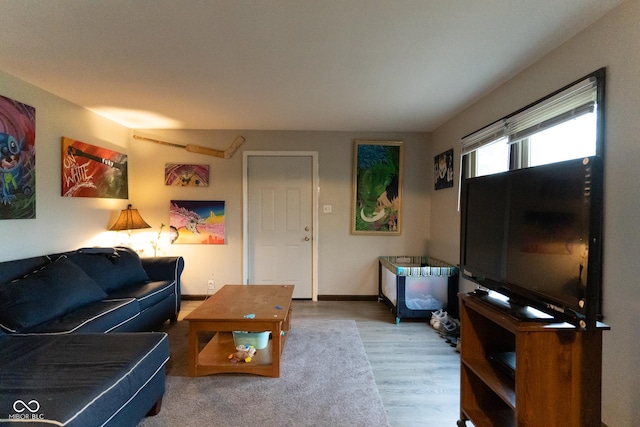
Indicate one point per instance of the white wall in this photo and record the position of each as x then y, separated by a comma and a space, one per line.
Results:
614, 42
347, 263
61, 223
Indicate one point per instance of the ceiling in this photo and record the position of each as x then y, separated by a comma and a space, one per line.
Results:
337, 65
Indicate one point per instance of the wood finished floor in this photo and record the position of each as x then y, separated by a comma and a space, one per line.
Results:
416, 371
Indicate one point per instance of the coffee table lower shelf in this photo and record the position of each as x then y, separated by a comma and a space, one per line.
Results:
214, 358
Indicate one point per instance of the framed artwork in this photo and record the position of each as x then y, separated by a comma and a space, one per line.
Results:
17, 160
90, 171
377, 187
197, 222
186, 175
443, 170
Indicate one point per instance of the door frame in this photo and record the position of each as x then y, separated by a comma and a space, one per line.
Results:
315, 190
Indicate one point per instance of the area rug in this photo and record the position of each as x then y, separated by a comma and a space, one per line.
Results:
325, 380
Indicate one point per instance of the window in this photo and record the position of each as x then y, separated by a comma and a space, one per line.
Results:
565, 125
569, 140
493, 158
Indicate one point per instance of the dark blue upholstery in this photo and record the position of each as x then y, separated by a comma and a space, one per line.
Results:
71, 356
147, 294
11, 270
158, 268
66, 301
81, 380
66, 286
112, 269
100, 316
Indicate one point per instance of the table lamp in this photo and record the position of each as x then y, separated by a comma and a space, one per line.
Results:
129, 219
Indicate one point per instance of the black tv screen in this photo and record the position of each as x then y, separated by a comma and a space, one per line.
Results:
535, 235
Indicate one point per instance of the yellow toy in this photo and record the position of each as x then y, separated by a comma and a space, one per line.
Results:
243, 353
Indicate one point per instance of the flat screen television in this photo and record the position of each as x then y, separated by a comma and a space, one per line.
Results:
534, 235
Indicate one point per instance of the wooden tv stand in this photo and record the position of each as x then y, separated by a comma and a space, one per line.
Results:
557, 382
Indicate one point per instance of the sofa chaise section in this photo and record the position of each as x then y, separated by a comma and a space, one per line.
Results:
81, 380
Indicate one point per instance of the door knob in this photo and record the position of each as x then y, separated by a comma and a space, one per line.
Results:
306, 238
306, 228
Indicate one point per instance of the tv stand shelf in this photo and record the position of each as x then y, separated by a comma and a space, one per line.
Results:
557, 380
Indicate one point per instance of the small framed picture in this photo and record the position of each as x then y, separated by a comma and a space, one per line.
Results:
186, 175
443, 170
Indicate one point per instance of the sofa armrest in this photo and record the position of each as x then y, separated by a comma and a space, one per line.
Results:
165, 268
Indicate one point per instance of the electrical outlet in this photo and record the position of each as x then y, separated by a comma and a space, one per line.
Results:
211, 285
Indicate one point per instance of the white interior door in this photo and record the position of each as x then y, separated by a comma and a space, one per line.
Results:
279, 222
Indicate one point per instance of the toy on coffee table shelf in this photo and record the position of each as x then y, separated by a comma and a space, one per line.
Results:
243, 353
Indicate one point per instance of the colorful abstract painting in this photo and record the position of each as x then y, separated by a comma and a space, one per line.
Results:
17, 160
90, 171
199, 222
377, 187
186, 175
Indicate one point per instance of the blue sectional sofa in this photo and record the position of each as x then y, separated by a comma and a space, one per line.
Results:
76, 347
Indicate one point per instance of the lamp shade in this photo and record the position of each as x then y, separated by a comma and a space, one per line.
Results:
129, 219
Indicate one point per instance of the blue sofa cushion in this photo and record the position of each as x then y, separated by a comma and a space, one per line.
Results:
80, 380
99, 316
147, 294
47, 293
11, 270
111, 268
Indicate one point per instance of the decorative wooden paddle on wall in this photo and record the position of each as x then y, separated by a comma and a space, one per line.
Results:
224, 154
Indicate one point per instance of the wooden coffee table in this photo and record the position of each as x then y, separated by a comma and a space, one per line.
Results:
252, 308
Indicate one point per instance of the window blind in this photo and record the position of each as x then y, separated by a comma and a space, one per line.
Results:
579, 98
484, 136
568, 104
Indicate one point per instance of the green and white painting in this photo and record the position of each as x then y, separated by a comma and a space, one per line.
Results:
377, 187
